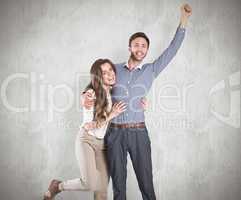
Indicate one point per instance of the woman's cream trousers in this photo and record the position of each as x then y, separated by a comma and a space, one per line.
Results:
91, 156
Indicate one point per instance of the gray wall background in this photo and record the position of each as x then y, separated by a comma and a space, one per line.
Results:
47, 48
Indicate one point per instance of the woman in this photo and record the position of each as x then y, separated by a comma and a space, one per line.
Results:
89, 145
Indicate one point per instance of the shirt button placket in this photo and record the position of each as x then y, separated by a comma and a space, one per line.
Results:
127, 91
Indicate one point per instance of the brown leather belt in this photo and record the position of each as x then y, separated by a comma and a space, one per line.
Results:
129, 125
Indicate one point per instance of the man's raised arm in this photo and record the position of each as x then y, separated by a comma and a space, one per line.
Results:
160, 63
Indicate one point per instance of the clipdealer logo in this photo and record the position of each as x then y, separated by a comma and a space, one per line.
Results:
41, 94
230, 86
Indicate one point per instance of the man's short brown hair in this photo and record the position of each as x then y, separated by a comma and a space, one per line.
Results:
139, 34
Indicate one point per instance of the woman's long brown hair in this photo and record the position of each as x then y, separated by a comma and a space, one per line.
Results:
101, 103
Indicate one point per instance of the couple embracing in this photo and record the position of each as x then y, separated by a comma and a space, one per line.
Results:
114, 122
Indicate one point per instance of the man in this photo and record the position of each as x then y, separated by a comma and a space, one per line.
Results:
127, 133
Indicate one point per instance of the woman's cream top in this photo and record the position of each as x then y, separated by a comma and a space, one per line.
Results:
88, 116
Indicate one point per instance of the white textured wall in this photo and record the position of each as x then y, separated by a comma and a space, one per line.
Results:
46, 50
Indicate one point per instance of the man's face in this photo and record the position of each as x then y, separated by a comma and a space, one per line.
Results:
138, 48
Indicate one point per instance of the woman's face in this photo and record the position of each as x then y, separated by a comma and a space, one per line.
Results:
108, 74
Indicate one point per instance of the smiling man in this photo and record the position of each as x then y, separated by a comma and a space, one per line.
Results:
127, 132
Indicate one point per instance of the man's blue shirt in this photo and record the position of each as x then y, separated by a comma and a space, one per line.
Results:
132, 85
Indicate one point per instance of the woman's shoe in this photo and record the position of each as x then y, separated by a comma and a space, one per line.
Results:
53, 190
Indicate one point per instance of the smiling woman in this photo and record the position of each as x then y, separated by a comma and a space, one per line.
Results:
108, 74
89, 145
102, 79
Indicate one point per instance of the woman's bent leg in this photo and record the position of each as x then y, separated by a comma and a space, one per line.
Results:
86, 158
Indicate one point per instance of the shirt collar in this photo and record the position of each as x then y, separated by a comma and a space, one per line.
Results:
138, 66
